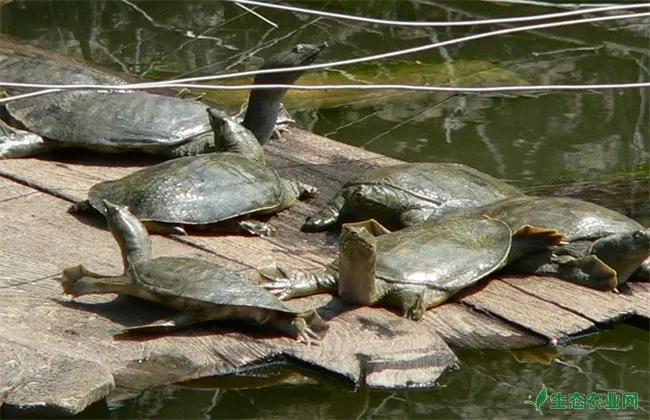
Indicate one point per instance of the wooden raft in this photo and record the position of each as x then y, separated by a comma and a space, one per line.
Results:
60, 355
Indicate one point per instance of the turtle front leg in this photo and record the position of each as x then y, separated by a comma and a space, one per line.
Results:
414, 216
287, 284
282, 122
326, 217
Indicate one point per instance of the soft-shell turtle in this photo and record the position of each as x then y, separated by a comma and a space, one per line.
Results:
403, 195
218, 188
605, 247
415, 268
202, 290
128, 120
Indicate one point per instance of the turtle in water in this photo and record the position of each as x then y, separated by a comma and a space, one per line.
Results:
202, 290
416, 268
121, 121
404, 195
221, 190
604, 248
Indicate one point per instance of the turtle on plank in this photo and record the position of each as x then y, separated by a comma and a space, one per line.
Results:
604, 249
200, 289
403, 195
121, 121
221, 190
416, 268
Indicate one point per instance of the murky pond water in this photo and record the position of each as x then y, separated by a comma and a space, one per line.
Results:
532, 138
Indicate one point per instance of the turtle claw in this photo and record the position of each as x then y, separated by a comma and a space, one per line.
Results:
256, 228
177, 230
79, 207
307, 191
189, 95
418, 309
305, 334
281, 281
310, 328
279, 288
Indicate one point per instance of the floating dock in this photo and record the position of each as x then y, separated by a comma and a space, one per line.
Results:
60, 355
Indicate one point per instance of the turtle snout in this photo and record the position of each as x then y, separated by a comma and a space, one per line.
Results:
642, 237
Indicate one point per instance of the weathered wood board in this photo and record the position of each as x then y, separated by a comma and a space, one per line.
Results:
58, 355
44, 334
365, 346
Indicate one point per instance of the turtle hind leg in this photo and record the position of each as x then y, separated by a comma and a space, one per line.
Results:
16, 143
176, 322
307, 327
417, 310
239, 225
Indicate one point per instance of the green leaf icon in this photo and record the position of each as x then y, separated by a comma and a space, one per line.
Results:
541, 399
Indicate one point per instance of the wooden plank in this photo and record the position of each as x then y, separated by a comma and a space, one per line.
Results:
464, 327
42, 238
530, 312
498, 316
290, 246
603, 308
638, 294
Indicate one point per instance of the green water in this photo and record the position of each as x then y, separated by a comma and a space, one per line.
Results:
531, 139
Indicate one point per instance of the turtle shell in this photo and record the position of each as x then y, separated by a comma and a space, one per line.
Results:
119, 120
202, 281
576, 219
20, 69
449, 254
439, 182
109, 120
194, 190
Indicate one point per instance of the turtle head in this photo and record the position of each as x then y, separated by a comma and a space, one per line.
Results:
357, 262
230, 136
129, 232
363, 202
264, 104
298, 55
624, 252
